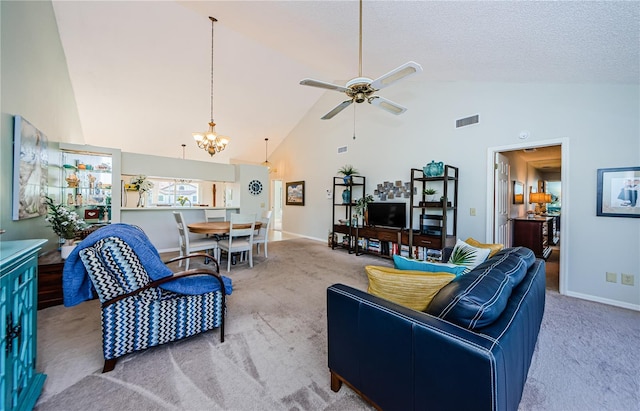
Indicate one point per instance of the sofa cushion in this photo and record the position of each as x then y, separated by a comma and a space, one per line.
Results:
404, 263
493, 247
479, 297
412, 289
467, 255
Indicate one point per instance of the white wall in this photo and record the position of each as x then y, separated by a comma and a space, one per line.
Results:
34, 84
600, 122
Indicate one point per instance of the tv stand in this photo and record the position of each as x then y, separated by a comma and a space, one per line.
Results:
385, 236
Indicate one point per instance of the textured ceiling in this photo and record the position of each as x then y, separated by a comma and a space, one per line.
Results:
140, 70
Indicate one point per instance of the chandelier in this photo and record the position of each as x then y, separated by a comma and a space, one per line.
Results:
210, 141
266, 162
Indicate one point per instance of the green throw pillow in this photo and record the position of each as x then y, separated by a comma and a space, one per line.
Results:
403, 263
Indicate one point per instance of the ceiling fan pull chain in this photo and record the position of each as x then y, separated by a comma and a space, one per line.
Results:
354, 121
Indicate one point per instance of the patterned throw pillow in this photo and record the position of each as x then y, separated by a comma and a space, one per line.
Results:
412, 289
403, 263
493, 247
467, 255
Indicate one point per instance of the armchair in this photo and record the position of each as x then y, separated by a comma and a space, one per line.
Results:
140, 310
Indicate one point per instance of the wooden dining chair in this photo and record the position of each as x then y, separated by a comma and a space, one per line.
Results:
189, 245
240, 239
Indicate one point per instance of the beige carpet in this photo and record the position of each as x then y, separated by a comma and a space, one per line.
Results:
275, 357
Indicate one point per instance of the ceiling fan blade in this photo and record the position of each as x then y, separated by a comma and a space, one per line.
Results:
322, 84
396, 74
337, 109
387, 105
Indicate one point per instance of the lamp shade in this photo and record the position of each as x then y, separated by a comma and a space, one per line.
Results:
537, 198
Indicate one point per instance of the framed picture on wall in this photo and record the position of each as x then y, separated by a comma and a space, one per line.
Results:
617, 192
518, 192
30, 170
295, 193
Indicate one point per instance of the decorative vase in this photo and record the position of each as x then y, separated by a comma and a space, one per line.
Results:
430, 197
433, 169
66, 248
346, 196
140, 199
347, 180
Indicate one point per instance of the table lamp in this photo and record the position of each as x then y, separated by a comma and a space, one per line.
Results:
541, 200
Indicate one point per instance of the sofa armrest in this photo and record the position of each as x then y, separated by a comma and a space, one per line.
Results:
422, 362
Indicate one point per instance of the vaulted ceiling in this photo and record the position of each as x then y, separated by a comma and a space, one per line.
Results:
141, 70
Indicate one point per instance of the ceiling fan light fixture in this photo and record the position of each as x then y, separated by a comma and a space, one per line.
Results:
210, 141
360, 89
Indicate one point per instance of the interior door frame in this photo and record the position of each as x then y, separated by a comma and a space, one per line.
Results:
563, 142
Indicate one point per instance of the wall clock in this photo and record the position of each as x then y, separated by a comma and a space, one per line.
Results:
255, 187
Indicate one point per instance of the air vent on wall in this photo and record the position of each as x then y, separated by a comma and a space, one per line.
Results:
342, 149
467, 121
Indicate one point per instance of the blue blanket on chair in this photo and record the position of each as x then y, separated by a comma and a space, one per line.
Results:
76, 284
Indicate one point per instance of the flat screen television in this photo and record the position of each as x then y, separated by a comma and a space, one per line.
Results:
387, 214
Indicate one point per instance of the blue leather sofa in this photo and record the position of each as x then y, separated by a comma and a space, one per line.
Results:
470, 350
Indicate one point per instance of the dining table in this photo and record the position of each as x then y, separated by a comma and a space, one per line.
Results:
217, 227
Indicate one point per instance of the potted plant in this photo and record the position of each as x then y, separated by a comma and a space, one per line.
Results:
141, 185
430, 193
65, 223
361, 207
347, 171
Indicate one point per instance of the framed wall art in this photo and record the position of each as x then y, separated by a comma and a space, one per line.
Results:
30, 170
295, 193
518, 192
617, 192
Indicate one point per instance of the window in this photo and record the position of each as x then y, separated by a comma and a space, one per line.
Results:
166, 192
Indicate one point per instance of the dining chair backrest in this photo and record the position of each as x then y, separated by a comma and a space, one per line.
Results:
263, 233
215, 215
242, 219
265, 219
182, 230
188, 245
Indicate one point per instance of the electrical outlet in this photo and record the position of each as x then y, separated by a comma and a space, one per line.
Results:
612, 277
626, 279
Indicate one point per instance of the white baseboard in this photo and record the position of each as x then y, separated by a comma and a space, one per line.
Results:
621, 304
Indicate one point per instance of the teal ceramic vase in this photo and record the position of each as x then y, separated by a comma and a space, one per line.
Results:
433, 169
346, 196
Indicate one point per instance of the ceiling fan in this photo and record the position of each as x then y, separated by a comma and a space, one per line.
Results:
361, 89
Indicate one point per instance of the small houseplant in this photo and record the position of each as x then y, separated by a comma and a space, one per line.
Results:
361, 207
65, 223
347, 171
142, 185
430, 193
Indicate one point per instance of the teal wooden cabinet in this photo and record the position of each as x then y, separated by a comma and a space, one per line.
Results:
20, 384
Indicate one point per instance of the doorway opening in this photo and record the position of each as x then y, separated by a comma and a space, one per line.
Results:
530, 163
276, 195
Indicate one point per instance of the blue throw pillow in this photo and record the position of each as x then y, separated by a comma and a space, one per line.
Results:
403, 263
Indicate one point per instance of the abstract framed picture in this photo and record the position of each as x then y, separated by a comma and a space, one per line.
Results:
617, 192
295, 193
30, 170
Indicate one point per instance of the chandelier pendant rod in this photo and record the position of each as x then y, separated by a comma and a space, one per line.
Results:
213, 20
